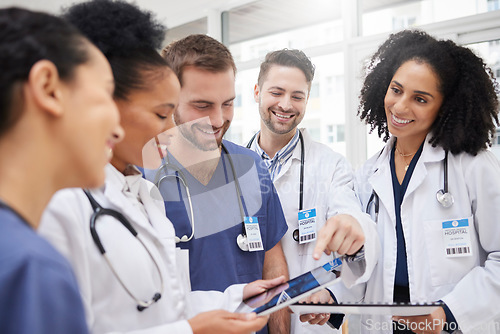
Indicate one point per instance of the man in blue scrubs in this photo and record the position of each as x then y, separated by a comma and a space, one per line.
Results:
227, 183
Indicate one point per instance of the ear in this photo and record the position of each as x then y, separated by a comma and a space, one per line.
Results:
45, 87
256, 92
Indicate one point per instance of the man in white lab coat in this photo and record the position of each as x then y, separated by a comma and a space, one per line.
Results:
314, 183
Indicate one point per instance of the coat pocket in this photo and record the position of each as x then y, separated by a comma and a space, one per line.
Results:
444, 268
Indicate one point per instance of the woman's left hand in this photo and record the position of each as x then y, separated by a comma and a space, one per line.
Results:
323, 297
428, 324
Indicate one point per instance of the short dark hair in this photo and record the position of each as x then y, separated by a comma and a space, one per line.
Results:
288, 58
129, 37
27, 37
200, 51
467, 119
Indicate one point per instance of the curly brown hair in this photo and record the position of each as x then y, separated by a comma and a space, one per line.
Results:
468, 116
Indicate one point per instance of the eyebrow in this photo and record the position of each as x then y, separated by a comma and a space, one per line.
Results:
415, 91
210, 102
165, 105
282, 90
201, 101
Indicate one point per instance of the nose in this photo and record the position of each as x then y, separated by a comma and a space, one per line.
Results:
285, 103
217, 117
118, 134
401, 105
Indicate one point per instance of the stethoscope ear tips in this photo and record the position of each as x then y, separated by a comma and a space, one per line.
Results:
444, 198
241, 240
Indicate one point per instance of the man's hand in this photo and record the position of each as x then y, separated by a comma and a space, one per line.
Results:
342, 234
220, 321
429, 324
260, 286
323, 297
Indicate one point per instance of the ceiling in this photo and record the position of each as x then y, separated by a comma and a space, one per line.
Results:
247, 18
263, 17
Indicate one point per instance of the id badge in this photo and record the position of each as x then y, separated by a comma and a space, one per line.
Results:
307, 226
252, 230
456, 236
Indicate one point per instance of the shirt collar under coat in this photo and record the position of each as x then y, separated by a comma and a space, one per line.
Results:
113, 191
297, 152
381, 172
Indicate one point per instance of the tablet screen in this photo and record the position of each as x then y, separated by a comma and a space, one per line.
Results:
293, 290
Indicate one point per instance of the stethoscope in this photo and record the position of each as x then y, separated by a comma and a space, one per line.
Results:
241, 239
295, 233
99, 211
180, 176
443, 196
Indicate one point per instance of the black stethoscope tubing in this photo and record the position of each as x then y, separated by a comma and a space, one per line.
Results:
242, 207
295, 233
179, 175
241, 204
99, 211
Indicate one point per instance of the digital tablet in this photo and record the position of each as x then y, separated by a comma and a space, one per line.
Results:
395, 309
295, 289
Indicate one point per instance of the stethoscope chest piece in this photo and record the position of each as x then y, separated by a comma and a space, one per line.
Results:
444, 198
241, 240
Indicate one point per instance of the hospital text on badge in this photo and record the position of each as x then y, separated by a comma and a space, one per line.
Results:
456, 237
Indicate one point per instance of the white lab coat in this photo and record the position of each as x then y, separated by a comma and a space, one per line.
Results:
470, 286
328, 187
109, 309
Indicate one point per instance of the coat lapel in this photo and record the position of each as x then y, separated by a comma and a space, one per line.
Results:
378, 180
429, 155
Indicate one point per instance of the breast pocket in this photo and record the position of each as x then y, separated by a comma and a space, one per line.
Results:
446, 269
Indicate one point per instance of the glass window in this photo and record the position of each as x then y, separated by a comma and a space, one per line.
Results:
490, 52
384, 16
493, 5
340, 132
314, 91
307, 24
179, 32
246, 119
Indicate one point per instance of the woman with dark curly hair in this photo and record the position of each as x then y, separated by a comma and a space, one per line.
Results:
435, 188
58, 126
134, 282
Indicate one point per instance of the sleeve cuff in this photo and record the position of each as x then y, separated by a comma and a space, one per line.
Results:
336, 319
451, 323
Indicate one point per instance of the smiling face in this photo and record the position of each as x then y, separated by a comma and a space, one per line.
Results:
92, 120
282, 98
205, 107
412, 102
144, 114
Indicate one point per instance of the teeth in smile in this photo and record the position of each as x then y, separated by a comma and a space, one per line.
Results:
283, 116
208, 132
400, 121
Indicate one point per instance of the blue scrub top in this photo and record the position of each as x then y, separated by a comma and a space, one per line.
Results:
215, 259
38, 291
